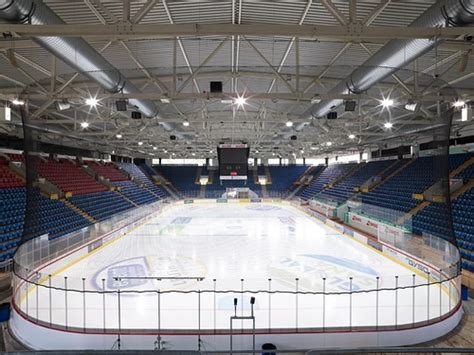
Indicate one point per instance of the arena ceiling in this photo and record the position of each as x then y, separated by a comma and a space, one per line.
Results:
281, 57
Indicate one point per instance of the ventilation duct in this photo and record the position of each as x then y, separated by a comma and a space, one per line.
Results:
397, 53
75, 52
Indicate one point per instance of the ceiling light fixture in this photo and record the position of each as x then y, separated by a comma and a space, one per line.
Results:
18, 102
388, 125
155, 148
240, 101
140, 143
92, 101
459, 103
119, 136
329, 144
84, 124
351, 136
289, 124
185, 123
410, 107
386, 102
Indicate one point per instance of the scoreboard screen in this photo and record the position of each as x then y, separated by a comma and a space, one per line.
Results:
233, 161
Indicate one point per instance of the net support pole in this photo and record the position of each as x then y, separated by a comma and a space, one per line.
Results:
50, 302
324, 303
396, 301
350, 303
103, 307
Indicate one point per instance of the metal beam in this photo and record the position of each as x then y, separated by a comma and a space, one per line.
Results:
375, 12
334, 11
180, 43
147, 31
218, 97
203, 64
144, 10
275, 71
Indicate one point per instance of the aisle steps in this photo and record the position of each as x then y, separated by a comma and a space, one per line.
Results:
461, 167
409, 161
343, 177
78, 210
268, 174
197, 179
126, 198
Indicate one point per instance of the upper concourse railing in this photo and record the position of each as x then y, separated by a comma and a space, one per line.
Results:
220, 193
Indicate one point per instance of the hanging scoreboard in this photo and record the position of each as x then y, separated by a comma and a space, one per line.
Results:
233, 161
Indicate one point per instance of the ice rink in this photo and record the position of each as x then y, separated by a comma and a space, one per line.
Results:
258, 247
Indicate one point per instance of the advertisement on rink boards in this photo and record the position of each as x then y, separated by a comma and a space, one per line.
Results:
327, 210
383, 232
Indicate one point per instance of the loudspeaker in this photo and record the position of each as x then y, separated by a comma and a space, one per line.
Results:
121, 105
349, 106
332, 115
216, 86
136, 115
172, 137
293, 138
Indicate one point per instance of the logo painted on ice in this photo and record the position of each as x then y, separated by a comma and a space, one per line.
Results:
350, 264
312, 268
263, 208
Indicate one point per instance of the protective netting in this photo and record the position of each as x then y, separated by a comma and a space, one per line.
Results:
401, 200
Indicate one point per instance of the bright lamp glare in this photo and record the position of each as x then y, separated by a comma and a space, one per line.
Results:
240, 101
92, 101
18, 102
185, 123
289, 124
386, 102
84, 124
351, 136
459, 103
140, 143
329, 144
388, 125
155, 148
119, 136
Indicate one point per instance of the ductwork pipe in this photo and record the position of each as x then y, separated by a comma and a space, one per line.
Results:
75, 52
296, 128
397, 53
171, 127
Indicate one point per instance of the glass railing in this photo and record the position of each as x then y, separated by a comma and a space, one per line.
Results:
216, 194
47, 293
